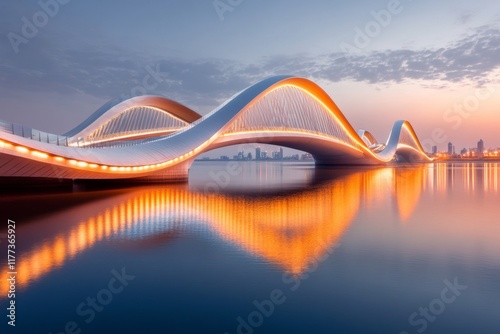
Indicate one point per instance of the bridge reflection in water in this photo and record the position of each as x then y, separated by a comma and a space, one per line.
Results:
290, 231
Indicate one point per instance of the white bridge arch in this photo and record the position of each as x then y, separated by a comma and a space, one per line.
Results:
153, 137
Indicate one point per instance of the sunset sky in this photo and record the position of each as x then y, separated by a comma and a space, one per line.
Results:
435, 64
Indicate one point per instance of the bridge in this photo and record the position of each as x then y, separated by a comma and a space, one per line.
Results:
154, 138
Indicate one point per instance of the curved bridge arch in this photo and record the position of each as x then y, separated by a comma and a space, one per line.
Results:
132, 118
284, 110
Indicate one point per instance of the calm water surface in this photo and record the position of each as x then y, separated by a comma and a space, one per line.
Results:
263, 248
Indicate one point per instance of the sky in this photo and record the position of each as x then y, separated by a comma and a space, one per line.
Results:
435, 64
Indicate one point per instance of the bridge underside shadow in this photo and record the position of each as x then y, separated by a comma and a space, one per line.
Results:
324, 150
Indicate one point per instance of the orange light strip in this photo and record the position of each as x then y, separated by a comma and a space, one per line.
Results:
292, 132
128, 136
306, 86
90, 165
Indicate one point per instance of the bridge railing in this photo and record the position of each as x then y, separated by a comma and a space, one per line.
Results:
33, 134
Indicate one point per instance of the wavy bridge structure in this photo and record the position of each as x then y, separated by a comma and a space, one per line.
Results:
153, 138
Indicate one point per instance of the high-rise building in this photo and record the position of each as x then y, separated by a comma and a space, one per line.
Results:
434, 149
480, 148
450, 148
281, 153
257, 153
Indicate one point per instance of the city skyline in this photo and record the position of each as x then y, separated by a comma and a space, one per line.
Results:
291, 152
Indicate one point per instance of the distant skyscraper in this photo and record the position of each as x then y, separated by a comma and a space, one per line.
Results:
257, 153
434, 149
450, 148
281, 153
480, 148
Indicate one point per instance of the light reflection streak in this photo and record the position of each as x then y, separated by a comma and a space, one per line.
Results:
408, 187
289, 231
473, 176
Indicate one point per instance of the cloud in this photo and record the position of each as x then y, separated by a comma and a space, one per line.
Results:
465, 18
113, 73
109, 72
471, 58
